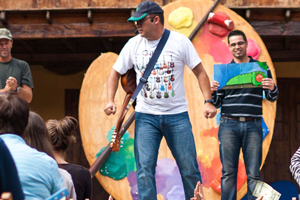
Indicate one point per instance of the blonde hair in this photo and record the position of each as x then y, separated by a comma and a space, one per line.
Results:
60, 132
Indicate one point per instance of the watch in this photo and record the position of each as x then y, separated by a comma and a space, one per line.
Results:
208, 101
18, 89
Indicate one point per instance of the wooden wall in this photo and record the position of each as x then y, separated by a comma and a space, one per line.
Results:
77, 4
62, 4
262, 3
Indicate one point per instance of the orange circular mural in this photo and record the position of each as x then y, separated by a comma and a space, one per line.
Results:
117, 175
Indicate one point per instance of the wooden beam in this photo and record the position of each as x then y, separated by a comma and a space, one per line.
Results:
56, 57
276, 28
72, 30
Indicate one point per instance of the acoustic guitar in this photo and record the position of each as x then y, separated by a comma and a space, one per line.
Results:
128, 82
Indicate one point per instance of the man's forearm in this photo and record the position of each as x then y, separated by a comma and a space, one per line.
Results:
112, 85
204, 85
26, 93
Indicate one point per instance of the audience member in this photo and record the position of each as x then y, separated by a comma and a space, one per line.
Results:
36, 135
15, 74
60, 132
38, 172
295, 166
9, 178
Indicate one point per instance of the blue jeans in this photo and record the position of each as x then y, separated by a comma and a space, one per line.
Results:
177, 130
234, 135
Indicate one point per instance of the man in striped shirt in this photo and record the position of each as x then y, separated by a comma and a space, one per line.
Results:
295, 166
240, 123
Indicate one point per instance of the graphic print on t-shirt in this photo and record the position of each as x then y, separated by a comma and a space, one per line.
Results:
160, 83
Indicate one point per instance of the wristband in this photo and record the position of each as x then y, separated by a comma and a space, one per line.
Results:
208, 101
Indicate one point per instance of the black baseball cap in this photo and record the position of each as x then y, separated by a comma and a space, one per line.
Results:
144, 9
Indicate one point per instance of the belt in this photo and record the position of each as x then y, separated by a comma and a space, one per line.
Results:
242, 119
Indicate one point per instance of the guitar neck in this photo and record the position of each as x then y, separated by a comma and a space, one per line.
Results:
107, 151
123, 112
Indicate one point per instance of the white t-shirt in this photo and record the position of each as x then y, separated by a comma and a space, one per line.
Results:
164, 92
68, 183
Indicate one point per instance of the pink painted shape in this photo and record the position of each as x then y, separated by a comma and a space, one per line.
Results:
253, 49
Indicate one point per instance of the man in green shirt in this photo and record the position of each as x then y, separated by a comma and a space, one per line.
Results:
15, 74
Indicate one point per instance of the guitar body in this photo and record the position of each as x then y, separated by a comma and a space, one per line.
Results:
128, 81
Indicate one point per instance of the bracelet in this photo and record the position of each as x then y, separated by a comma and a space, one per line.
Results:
208, 101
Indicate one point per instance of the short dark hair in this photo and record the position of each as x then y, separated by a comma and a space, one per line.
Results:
14, 113
236, 32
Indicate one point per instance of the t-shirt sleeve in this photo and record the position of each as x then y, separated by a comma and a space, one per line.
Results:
124, 63
26, 75
190, 55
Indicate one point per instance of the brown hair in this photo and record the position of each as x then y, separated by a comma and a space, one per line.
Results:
36, 134
60, 132
14, 112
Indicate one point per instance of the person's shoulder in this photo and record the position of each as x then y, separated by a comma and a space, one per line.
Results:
20, 62
80, 168
132, 42
177, 34
135, 38
252, 60
75, 167
41, 157
10, 139
64, 173
3, 146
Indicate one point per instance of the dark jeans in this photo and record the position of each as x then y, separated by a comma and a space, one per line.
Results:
177, 130
234, 135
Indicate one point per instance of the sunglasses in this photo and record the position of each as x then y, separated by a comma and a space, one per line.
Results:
140, 22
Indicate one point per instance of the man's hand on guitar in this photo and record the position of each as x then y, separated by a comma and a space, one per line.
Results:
110, 108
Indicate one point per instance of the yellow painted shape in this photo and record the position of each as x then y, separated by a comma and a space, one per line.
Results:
182, 17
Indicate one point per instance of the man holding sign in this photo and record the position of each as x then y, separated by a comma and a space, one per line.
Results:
240, 124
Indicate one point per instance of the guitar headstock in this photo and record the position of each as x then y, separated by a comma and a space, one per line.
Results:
115, 141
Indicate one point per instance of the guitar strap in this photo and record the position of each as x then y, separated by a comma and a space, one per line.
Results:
150, 66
